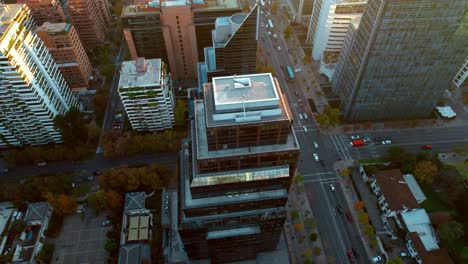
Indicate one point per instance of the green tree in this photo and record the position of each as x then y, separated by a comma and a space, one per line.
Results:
298, 179
317, 251
313, 237
46, 253
308, 261
451, 230
395, 260
426, 171
310, 223
333, 115
464, 253
18, 226
323, 120
294, 214
287, 32
369, 230
394, 154
108, 71
111, 245
180, 112
71, 127
274, 7
363, 218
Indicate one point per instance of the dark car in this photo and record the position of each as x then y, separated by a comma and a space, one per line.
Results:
339, 209
348, 216
97, 173
350, 255
355, 252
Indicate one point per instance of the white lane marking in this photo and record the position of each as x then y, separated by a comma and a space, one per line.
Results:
323, 180
318, 173
344, 147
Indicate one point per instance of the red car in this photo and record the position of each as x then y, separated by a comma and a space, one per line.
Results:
350, 255
348, 216
429, 147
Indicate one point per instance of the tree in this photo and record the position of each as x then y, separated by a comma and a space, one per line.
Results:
310, 223
369, 230
395, 260
18, 226
307, 253
323, 120
298, 179
298, 227
451, 231
180, 112
317, 251
464, 253
394, 154
373, 242
287, 32
363, 218
308, 261
274, 7
108, 71
111, 245
333, 115
113, 199
359, 205
294, 214
71, 127
426, 171
61, 203
46, 253
307, 59
100, 104
345, 172
313, 237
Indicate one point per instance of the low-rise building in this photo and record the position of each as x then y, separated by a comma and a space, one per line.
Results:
145, 88
421, 240
32, 239
136, 233
394, 193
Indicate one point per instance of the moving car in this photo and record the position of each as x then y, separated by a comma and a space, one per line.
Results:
300, 116
376, 259
97, 172
428, 147
348, 216
40, 164
305, 129
350, 255
315, 145
279, 48
2, 171
386, 142
298, 70
105, 222
339, 209
305, 115
316, 157
332, 187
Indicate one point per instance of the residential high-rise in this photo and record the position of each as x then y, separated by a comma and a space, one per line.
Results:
88, 21
234, 47
175, 31
327, 29
64, 45
32, 90
145, 88
237, 169
401, 59
104, 11
462, 74
45, 10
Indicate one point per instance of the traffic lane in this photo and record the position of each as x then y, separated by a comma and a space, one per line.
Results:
98, 163
349, 227
331, 239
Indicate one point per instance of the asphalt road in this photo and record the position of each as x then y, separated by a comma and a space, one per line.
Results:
337, 234
98, 163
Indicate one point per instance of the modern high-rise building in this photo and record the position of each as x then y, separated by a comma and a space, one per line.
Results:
175, 31
327, 29
32, 91
236, 169
234, 46
145, 88
45, 10
299, 10
104, 11
65, 46
88, 21
402, 59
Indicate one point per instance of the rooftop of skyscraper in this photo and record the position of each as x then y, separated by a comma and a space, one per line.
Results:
54, 27
149, 6
9, 11
140, 73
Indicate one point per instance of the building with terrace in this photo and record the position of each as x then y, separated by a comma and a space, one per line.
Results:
236, 169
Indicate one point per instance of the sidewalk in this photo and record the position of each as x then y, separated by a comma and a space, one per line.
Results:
298, 201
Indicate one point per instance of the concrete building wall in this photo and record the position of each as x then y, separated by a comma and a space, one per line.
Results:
180, 41
88, 21
402, 59
45, 10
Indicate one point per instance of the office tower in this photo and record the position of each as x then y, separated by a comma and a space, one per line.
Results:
234, 48
401, 59
145, 88
88, 22
299, 10
32, 90
175, 31
237, 169
327, 29
45, 10
459, 79
64, 45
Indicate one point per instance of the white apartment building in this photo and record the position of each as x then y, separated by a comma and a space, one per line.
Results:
328, 27
145, 88
32, 89
462, 73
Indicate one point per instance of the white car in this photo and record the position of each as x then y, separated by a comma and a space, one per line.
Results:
305, 115
316, 157
40, 164
355, 137
386, 142
275, 36
305, 129
298, 70
269, 33
315, 145
300, 117
376, 259
279, 48
332, 187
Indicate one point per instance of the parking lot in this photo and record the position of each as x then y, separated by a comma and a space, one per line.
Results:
82, 240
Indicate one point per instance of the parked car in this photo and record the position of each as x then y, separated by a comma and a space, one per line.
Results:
428, 147
350, 255
80, 209
98, 172
386, 142
300, 117
279, 48
105, 222
355, 252
377, 259
339, 209
332, 187
2, 171
316, 157
298, 70
305, 115
404, 254
355, 137
305, 129
40, 164
348, 216
316, 145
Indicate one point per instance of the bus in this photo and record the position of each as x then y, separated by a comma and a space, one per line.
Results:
290, 73
270, 23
